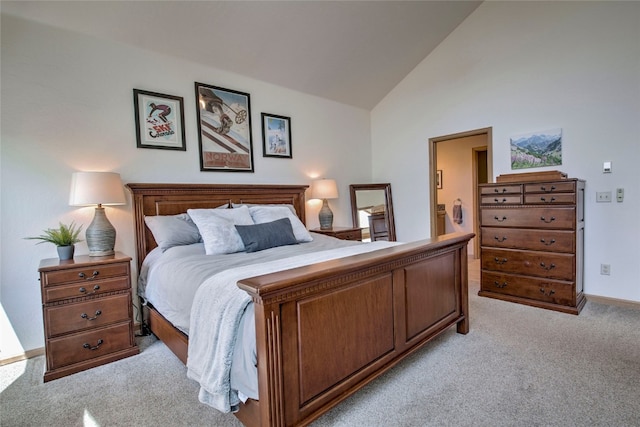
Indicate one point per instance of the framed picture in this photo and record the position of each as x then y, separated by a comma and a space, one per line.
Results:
276, 136
159, 120
224, 129
536, 149
439, 179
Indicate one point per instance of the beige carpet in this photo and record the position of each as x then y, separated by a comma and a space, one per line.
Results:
519, 366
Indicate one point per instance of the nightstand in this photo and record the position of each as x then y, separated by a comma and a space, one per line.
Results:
344, 233
87, 312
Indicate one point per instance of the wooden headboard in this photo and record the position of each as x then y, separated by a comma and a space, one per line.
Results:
172, 199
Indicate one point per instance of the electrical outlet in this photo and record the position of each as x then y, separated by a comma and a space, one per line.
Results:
605, 269
603, 197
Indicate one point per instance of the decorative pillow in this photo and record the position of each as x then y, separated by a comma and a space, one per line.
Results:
261, 214
267, 235
172, 230
217, 228
293, 210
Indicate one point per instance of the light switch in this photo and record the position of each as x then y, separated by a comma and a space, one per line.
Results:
606, 167
620, 194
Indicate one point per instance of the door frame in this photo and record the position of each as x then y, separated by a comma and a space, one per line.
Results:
433, 191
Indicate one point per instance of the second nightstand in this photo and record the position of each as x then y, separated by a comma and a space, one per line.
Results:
87, 310
344, 233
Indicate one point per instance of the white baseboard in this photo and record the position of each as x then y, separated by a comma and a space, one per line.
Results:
26, 355
613, 301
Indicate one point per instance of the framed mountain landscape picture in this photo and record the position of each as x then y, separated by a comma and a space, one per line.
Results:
537, 149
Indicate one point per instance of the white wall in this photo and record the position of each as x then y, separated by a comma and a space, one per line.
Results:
526, 66
67, 105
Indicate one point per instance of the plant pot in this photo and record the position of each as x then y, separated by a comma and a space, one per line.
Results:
65, 253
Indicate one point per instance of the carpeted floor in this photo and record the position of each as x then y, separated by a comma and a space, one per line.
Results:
519, 366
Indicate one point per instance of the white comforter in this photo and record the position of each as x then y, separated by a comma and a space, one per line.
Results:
217, 311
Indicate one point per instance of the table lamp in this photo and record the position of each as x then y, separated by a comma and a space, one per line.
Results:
325, 189
98, 188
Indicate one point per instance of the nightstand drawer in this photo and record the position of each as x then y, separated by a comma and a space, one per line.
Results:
55, 293
66, 318
85, 275
88, 345
351, 235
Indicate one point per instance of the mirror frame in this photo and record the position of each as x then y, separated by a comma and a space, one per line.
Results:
386, 187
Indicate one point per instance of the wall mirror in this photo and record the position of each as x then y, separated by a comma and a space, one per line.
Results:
372, 210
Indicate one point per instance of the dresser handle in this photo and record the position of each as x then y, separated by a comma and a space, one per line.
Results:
84, 315
84, 276
500, 220
553, 187
500, 285
88, 346
500, 201
500, 261
83, 290
551, 292
495, 190
544, 199
551, 266
549, 243
543, 219
500, 239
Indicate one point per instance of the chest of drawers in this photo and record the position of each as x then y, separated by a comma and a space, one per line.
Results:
532, 243
87, 312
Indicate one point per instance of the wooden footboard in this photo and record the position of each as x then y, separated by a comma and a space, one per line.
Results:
325, 330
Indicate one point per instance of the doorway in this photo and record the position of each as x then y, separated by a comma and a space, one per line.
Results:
457, 164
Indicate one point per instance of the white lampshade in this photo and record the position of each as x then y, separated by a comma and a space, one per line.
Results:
324, 189
96, 188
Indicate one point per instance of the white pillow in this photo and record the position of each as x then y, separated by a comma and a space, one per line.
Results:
217, 228
262, 214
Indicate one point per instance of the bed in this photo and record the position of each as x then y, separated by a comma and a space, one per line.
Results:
383, 305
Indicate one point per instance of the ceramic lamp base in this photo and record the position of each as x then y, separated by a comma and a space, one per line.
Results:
325, 216
100, 235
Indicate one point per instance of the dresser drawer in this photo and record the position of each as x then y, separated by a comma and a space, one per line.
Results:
550, 199
352, 235
551, 291
529, 263
500, 189
79, 347
533, 217
85, 275
531, 239
55, 293
97, 312
551, 187
502, 200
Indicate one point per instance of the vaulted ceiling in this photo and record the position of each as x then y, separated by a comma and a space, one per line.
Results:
353, 52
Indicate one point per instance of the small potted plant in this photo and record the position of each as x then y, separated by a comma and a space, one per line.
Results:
64, 237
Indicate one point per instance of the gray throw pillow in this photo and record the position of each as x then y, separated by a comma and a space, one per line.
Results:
267, 235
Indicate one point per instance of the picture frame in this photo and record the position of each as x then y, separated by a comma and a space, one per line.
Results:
276, 136
439, 179
536, 149
159, 120
224, 129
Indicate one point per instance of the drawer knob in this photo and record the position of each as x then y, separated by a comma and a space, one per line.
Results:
544, 199
550, 267
500, 220
500, 285
500, 201
500, 239
549, 243
543, 219
89, 347
83, 290
543, 188
93, 276
549, 293
504, 190
85, 316
500, 260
